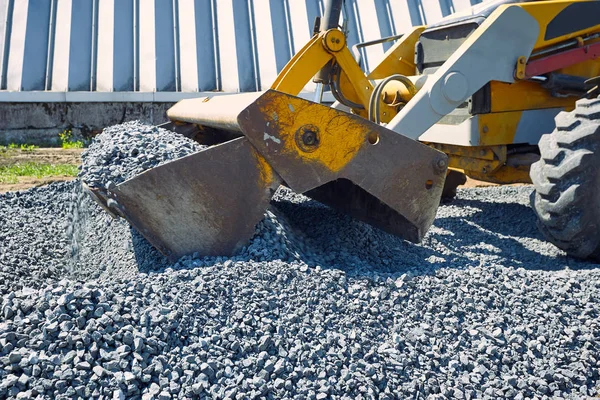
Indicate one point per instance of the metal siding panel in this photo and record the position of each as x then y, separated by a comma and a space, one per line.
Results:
461, 5
281, 41
314, 9
123, 46
187, 46
164, 46
267, 62
80, 50
400, 16
35, 51
50, 46
17, 45
5, 27
232, 45
415, 10
243, 47
366, 14
227, 44
432, 10
447, 7
386, 25
147, 48
352, 24
300, 29
106, 40
62, 43
300, 25
205, 46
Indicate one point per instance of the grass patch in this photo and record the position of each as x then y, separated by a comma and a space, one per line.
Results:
11, 173
22, 147
72, 145
67, 140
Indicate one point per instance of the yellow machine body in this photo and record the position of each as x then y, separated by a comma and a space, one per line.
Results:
436, 102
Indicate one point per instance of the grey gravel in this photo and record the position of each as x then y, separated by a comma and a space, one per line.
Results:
318, 305
123, 151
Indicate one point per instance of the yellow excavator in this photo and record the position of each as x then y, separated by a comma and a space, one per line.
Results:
506, 92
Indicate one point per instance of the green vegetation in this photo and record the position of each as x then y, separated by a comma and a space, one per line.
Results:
67, 141
11, 173
22, 147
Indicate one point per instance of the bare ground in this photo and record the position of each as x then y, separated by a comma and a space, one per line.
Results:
42, 156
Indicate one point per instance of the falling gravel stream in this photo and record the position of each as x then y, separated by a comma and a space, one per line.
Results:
316, 306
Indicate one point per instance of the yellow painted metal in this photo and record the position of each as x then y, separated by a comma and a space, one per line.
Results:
399, 59
520, 69
473, 158
504, 175
317, 53
498, 128
524, 95
394, 96
544, 12
334, 40
587, 69
348, 91
398, 91
332, 153
481, 152
473, 164
302, 67
266, 174
359, 82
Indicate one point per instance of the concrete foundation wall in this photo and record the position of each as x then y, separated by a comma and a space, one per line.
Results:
40, 123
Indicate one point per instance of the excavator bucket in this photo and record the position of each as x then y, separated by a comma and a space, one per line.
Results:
210, 202
207, 203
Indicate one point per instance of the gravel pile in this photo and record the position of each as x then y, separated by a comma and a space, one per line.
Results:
318, 305
123, 151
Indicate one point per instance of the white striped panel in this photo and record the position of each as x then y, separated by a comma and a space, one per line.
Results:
188, 62
367, 13
461, 5
227, 46
300, 25
62, 46
432, 10
3, 17
263, 25
300, 30
400, 16
106, 34
147, 47
17, 45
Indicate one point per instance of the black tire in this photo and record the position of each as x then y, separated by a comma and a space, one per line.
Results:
567, 182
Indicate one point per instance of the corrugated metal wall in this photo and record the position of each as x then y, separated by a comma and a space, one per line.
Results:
188, 46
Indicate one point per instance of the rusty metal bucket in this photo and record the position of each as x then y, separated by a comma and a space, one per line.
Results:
210, 202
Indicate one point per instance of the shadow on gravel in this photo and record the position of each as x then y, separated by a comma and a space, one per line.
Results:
508, 219
475, 233
147, 257
506, 231
334, 240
